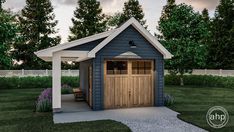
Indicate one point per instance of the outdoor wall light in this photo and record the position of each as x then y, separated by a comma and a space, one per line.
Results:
132, 44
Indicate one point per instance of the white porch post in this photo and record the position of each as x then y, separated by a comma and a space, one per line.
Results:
56, 90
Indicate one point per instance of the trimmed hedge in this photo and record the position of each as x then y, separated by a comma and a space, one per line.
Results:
34, 82
201, 80
46, 82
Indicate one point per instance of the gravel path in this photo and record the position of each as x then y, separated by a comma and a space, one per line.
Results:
147, 119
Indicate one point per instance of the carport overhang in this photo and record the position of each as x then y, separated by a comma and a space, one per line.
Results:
65, 55
56, 58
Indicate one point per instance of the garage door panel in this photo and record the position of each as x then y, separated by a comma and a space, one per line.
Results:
133, 88
116, 91
125, 92
141, 90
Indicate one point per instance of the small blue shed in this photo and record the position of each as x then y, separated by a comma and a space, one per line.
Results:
120, 68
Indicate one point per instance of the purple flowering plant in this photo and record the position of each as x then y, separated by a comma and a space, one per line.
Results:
168, 99
44, 101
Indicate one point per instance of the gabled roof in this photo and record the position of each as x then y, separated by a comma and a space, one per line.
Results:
109, 35
49, 51
152, 39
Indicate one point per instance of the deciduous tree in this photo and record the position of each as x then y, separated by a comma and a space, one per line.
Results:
182, 34
8, 30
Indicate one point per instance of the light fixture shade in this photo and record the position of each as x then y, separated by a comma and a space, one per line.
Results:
132, 44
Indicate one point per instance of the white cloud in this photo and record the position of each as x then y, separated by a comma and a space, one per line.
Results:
201, 4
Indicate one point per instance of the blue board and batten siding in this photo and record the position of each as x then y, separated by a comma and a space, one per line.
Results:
84, 75
118, 46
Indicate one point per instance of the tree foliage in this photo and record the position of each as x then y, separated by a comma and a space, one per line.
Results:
1, 1
132, 8
114, 20
221, 48
88, 20
205, 15
167, 10
183, 31
37, 26
8, 30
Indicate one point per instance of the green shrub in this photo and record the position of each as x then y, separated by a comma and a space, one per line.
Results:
71, 81
34, 82
168, 100
66, 89
201, 80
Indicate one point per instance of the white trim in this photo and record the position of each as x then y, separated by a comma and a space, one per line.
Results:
142, 30
82, 59
73, 53
67, 55
49, 59
49, 51
56, 77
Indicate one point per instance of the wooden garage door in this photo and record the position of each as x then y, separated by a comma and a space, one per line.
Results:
128, 83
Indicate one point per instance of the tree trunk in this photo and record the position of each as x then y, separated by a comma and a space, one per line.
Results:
181, 80
181, 77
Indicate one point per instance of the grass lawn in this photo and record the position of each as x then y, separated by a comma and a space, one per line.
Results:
16, 115
194, 102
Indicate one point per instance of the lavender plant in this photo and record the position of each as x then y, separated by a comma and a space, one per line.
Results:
44, 101
168, 100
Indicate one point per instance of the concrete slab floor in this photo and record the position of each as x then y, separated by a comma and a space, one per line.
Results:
145, 119
70, 105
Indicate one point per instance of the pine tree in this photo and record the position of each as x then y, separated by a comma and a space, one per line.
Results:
37, 28
167, 9
1, 1
206, 40
221, 49
113, 20
205, 15
88, 20
132, 8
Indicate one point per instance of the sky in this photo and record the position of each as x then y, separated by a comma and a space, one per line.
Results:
64, 9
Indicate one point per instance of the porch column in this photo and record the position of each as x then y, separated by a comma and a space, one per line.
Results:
56, 90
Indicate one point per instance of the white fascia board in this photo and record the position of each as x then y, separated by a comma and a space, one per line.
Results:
82, 59
62, 59
46, 58
67, 55
142, 30
73, 53
49, 51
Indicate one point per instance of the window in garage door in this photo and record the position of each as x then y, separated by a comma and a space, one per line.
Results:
117, 67
141, 67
